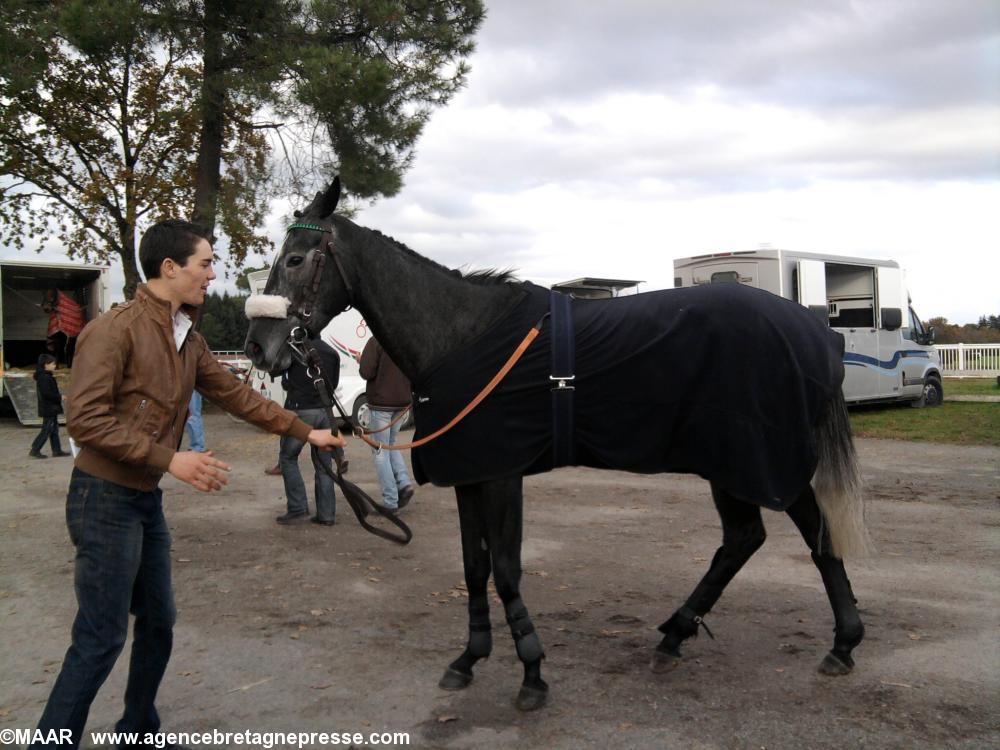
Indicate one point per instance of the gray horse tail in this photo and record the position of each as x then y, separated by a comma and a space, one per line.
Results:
837, 482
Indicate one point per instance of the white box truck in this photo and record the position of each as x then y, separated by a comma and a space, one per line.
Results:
26, 297
888, 354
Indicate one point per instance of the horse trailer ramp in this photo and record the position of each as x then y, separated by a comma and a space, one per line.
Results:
20, 389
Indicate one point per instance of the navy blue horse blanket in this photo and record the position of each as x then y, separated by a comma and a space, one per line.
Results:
723, 381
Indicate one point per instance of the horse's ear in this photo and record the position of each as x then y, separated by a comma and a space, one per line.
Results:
330, 198
323, 204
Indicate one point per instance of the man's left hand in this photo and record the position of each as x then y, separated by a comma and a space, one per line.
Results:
326, 440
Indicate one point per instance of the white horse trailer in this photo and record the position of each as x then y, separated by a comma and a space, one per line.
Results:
26, 315
888, 354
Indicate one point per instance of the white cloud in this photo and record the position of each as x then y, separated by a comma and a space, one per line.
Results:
609, 138
600, 139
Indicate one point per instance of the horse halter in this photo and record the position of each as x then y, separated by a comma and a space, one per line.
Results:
305, 309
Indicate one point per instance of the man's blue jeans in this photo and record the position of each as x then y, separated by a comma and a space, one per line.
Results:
195, 425
122, 565
389, 465
288, 460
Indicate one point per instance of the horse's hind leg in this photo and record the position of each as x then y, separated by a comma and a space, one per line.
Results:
742, 535
848, 629
502, 503
476, 558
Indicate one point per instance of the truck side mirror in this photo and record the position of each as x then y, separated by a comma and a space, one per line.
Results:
892, 318
931, 335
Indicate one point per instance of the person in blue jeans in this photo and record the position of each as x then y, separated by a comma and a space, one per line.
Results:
388, 392
195, 424
133, 374
302, 398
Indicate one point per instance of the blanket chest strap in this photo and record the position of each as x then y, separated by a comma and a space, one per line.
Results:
562, 377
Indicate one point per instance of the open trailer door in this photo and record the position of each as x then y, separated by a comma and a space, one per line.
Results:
811, 276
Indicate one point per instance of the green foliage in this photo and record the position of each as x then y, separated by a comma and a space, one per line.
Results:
371, 71
242, 282
987, 331
97, 144
223, 323
116, 113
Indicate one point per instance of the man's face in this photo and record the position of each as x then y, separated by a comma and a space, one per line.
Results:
190, 281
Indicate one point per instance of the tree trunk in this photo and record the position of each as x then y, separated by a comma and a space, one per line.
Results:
213, 106
129, 265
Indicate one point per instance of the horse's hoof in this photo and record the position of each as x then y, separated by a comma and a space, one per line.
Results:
531, 698
664, 661
454, 680
833, 666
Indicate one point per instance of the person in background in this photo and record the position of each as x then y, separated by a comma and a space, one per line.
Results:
195, 425
302, 398
134, 371
49, 408
388, 393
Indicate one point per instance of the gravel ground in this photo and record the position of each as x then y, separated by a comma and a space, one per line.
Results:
307, 628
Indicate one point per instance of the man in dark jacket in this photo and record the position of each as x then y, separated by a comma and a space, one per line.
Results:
388, 393
49, 408
133, 374
301, 397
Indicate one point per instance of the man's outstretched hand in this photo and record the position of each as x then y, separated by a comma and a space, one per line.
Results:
200, 470
326, 440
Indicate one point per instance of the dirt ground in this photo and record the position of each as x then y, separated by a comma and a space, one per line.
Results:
308, 628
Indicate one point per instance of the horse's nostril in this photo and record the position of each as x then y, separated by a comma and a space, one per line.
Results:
254, 349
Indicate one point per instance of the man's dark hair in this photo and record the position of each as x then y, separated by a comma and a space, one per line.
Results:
45, 359
170, 238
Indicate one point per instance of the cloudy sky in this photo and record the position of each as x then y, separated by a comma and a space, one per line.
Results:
608, 138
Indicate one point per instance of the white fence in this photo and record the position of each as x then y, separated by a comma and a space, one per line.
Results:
969, 359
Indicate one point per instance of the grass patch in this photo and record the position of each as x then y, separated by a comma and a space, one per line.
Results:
970, 387
959, 423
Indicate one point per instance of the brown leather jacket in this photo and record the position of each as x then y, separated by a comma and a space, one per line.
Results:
130, 390
387, 388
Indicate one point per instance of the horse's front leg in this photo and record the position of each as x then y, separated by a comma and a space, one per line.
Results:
476, 557
502, 503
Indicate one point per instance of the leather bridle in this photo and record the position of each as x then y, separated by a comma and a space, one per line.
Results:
304, 311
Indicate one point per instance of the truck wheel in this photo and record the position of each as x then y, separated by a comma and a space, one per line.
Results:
933, 393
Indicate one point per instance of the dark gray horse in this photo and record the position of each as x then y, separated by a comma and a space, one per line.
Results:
734, 384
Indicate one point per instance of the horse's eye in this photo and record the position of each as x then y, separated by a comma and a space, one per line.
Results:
295, 260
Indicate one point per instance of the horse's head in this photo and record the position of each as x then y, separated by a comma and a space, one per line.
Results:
305, 289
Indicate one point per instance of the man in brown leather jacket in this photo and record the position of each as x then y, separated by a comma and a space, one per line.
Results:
133, 374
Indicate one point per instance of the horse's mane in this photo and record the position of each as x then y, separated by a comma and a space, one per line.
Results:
479, 276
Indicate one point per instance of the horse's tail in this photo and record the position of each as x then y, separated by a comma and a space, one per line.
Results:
837, 482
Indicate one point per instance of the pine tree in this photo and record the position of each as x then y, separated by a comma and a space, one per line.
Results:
117, 113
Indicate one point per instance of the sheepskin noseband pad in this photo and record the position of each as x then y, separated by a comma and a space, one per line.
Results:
267, 306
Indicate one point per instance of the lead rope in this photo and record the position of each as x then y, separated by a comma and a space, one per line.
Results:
358, 499
298, 341
487, 390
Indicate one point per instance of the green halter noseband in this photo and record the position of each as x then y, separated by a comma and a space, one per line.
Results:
313, 227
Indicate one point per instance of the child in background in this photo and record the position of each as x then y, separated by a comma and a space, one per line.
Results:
49, 407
